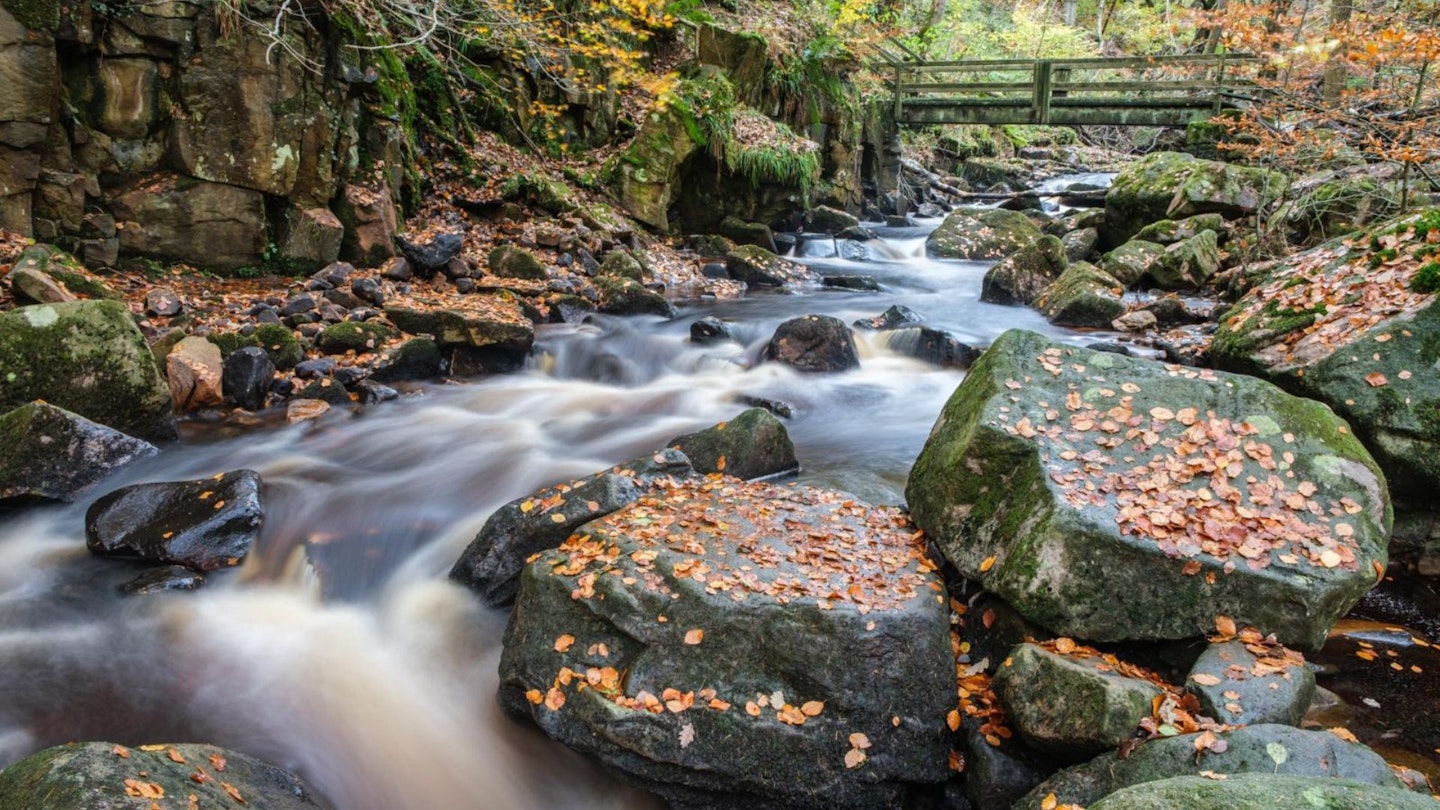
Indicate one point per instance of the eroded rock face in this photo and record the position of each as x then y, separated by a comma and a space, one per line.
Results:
52, 454
728, 633
1110, 498
203, 525
95, 775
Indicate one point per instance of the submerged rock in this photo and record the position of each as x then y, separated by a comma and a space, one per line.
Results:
162, 580
1267, 749
707, 643
102, 775
52, 454
932, 346
1113, 498
204, 525
752, 445
898, 316
491, 564
817, 343
709, 330
87, 357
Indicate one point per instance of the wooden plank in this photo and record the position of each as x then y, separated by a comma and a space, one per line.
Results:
1059, 116
1043, 79
971, 87
1099, 61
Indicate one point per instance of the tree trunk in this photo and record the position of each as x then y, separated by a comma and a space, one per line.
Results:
1337, 71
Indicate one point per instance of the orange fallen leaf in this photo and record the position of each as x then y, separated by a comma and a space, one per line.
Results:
564, 642
1050, 802
812, 708
695, 636
234, 794
1064, 646
1205, 679
859, 740
1225, 625
557, 518
1344, 734
175, 756
1376, 380
854, 758
953, 720
535, 696
217, 762
143, 790
121, 751
987, 563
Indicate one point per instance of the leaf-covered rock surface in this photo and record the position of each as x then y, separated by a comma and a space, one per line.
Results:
50, 453
741, 645
87, 357
1071, 706
1270, 749
108, 776
1083, 296
204, 525
1113, 498
1259, 791
1356, 326
1246, 682
752, 445
1022, 276
976, 235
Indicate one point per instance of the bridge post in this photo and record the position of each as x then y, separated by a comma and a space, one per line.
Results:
1040, 102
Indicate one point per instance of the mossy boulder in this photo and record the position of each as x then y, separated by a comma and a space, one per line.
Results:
621, 264
107, 776
87, 357
1259, 791
1349, 328
647, 173
66, 269
509, 261
1083, 296
723, 659
626, 296
361, 337
976, 234
1174, 185
277, 340
1022, 276
504, 329
1187, 264
1268, 749
1070, 706
759, 267
48, 453
752, 445
1336, 203
1170, 231
741, 232
1132, 261
1108, 497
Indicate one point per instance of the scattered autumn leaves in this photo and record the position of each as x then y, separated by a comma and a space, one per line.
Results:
141, 785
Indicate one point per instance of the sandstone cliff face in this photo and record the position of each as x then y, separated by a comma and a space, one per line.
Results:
167, 130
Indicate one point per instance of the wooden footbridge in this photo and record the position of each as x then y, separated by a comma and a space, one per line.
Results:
1146, 91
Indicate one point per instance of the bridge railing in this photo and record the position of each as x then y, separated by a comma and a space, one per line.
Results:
1141, 91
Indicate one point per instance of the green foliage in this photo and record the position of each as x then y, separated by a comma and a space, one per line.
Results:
742, 139
811, 78
1427, 278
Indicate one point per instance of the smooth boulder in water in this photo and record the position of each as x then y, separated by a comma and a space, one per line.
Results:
204, 525
734, 645
752, 445
103, 775
1113, 498
491, 565
817, 343
49, 453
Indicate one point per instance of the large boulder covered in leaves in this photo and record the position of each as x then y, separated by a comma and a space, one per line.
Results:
1260, 791
49, 453
107, 776
976, 234
1022, 276
1113, 498
492, 563
1357, 328
733, 645
87, 357
1272, 749
1174, 185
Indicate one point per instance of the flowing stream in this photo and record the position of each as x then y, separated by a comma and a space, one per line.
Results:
339, 649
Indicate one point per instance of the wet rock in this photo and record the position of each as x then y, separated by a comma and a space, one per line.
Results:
1237, 687
397, 269
1080, 244
52, 454
432, 255
325, 389
371, 392
368, 290
1173, 185
297, 305
763, 709
756, 234
1188, 264
87, 357
1009, 504
92, 775
343, 299
1261, 791
313, 369
415, 359
1111, 347
193, 370
492, 563
204, 525
1135, 321
509, 261
163, 580
815, 343
709, 330
752, 445
1069, 705
353, 336
898, 316
932, 346
715, 270
163, 302
1083, 296
785, 243
761, 268
621, 264
824, 219
997, 776
626, 296
775, 406
857, 233
1023, 275
851, 282
970, 233
31, 286
1132, 261
452, 328
247, 376
301, 410
348, 376
1270, 749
